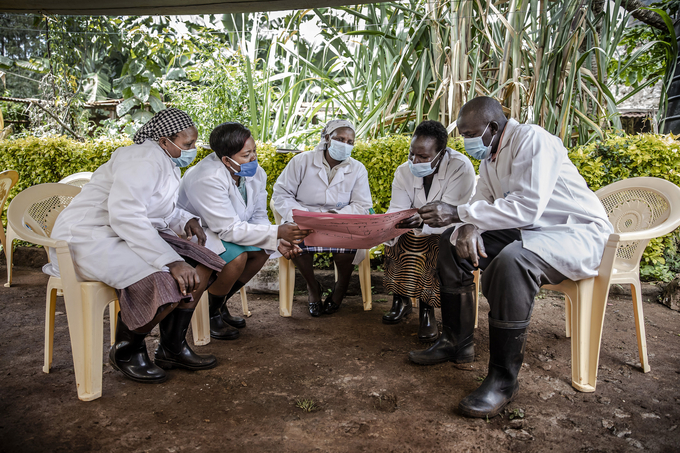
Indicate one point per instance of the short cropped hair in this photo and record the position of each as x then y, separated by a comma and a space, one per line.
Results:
435, 130
229, 138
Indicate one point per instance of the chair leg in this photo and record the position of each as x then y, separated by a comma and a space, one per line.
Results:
476, 274
50, 309
9, 251
244, 302
415, 302
286, 287
640, 326
587, 308
365, 282
114, 308
567, 316
200, 322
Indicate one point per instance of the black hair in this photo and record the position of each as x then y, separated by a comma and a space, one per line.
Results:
435, 130
229, 138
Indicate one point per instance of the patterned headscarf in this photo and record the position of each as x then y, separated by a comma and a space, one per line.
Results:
331, 126
165, 123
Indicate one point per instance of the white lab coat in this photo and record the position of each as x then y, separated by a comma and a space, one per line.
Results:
208, 191
453, 184
112, 226
304, 185
532, 185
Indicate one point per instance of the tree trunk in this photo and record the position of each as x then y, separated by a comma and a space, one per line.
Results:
648, 17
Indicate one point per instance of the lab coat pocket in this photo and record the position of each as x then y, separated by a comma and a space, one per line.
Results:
342, 199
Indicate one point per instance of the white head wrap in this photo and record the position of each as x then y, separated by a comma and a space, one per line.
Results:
331, 126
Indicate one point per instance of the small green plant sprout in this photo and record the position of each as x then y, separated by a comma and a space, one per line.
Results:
307, 405
516, 413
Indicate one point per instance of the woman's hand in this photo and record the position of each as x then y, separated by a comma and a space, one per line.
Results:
469, 244
412, 222
185, 276
291, 233
194, 228
438, 214
288, 250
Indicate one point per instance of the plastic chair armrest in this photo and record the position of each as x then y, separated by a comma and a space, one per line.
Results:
655, 232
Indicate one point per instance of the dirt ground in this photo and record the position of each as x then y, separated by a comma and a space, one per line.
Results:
353, 373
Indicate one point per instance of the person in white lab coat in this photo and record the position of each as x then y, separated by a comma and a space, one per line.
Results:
326, 179
433, 172
125, 229
227, 190
532, 221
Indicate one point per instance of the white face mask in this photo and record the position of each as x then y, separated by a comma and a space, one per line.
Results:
186, 157
339, 151
475, 146
424, 168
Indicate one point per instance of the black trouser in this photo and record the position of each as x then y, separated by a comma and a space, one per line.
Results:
513, 275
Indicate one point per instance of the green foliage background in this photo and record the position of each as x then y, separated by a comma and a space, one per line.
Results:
42, 160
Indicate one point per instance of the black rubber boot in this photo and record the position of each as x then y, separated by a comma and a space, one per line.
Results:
506, 344
173, 351
129, 356
234, 321
428, 330
401, 307
219, 329
458, 326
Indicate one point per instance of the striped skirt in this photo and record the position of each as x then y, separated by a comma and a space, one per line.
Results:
411, 268
140, 301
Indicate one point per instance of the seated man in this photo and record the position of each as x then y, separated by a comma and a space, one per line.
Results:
532, 221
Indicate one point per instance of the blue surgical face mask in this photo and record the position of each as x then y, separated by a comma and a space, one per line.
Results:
186, 158
422, 169
475, 146
248, 169
339, 151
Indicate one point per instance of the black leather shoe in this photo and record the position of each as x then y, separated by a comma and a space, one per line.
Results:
500, 387
316, 308
401, 307
427, 331
455, 344
219, 329
330, 307
128, 355
173, 351
234, 321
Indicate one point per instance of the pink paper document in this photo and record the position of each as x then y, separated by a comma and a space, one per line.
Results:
350, 231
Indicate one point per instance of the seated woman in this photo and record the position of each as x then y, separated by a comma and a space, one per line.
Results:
227, 190
433, 173
325, 179
125, 230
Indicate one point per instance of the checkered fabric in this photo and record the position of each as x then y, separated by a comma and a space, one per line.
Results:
306, 249
165, 123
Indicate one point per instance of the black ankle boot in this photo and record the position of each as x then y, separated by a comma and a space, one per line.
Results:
219, 329
173, 351
428, 330
129, 356
401, 306
506, 345
458, 326
234, 321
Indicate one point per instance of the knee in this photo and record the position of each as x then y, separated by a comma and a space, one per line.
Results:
239, 262
445, 238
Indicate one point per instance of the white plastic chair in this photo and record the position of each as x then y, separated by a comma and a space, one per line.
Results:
31, 215
78, 179
287, 279
8, 179
200, 322
639, 209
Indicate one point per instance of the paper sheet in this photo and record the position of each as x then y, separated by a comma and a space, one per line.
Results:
350, 231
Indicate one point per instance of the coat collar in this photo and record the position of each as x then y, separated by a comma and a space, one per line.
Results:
341, 172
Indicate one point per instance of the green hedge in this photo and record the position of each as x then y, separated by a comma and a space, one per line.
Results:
41, 160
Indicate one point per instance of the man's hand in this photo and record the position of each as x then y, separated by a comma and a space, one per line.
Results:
469, 244
194, 228
291, 233
288, 250
412, 222
438, 214
185, 276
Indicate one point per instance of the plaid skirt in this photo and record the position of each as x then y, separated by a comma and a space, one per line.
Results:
140, 301
306, 249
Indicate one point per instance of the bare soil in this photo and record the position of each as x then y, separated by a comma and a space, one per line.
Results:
338, 383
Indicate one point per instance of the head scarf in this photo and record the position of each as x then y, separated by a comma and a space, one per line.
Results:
165, 123
331, 126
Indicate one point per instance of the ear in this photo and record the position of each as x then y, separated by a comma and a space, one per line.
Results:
493, 126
